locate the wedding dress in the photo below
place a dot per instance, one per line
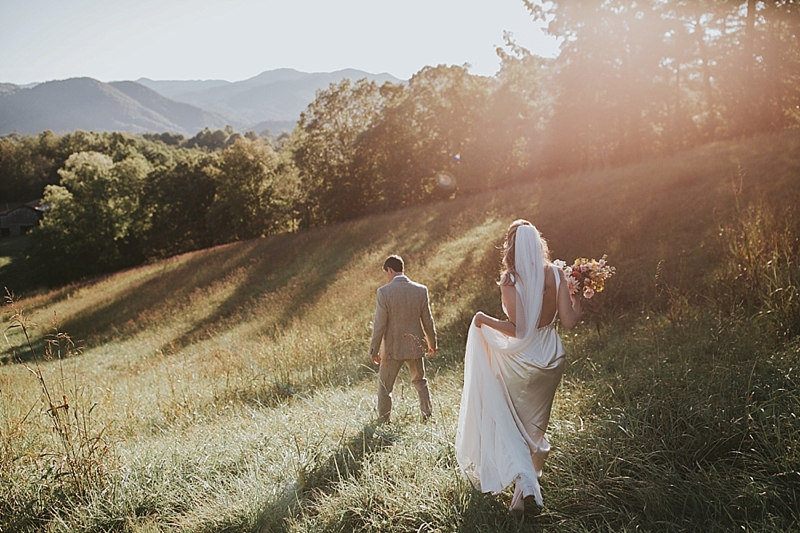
(509, 385)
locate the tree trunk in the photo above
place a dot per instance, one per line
(710, 126)
(750, 98)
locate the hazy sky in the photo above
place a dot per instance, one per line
(109, 40)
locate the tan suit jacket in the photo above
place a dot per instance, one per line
(403, 320)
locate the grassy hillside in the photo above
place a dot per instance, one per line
(229, 389)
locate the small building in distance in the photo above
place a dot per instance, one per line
(20, 220)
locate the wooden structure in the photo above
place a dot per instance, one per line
(20, 220)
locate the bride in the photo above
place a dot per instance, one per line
(511, 371)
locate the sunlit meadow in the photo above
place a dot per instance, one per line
(230, 390)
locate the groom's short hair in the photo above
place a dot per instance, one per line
(395, 262)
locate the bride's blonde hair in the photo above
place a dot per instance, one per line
(508, 271)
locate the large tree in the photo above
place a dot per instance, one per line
(637, 78)
(250, 195)
(177, 199)
(612, 87)
(27, 165)
(507, 135)
(422, 134)
(92, 217)
(324, 151)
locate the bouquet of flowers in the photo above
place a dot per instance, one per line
(586, 275)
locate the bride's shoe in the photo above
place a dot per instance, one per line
(517, 507)
(530, 502)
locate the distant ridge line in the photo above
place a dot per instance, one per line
(270, 100)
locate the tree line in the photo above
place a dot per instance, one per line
(634, 79)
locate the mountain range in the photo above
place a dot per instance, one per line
(272, 100)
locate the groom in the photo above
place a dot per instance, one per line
(402, 317)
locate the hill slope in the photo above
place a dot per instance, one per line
(192, 119)
(274, 95)
(232, 390)
(271, 100)
(653, 219)
(87, 104)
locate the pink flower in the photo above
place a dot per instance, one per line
(588, 292)
(572, 284)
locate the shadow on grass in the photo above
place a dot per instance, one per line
(306, 264)
(452, 336)
(485, 512)
(302, 266)
(268, 264)
(322, 478)
(124, 312)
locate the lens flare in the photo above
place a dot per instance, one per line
(445, 180)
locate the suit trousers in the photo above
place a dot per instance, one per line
(387, 374)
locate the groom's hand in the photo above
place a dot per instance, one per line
(376, 359)
(431, 352)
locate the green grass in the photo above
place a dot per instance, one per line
(230, 390)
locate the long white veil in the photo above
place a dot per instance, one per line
(529, 283)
